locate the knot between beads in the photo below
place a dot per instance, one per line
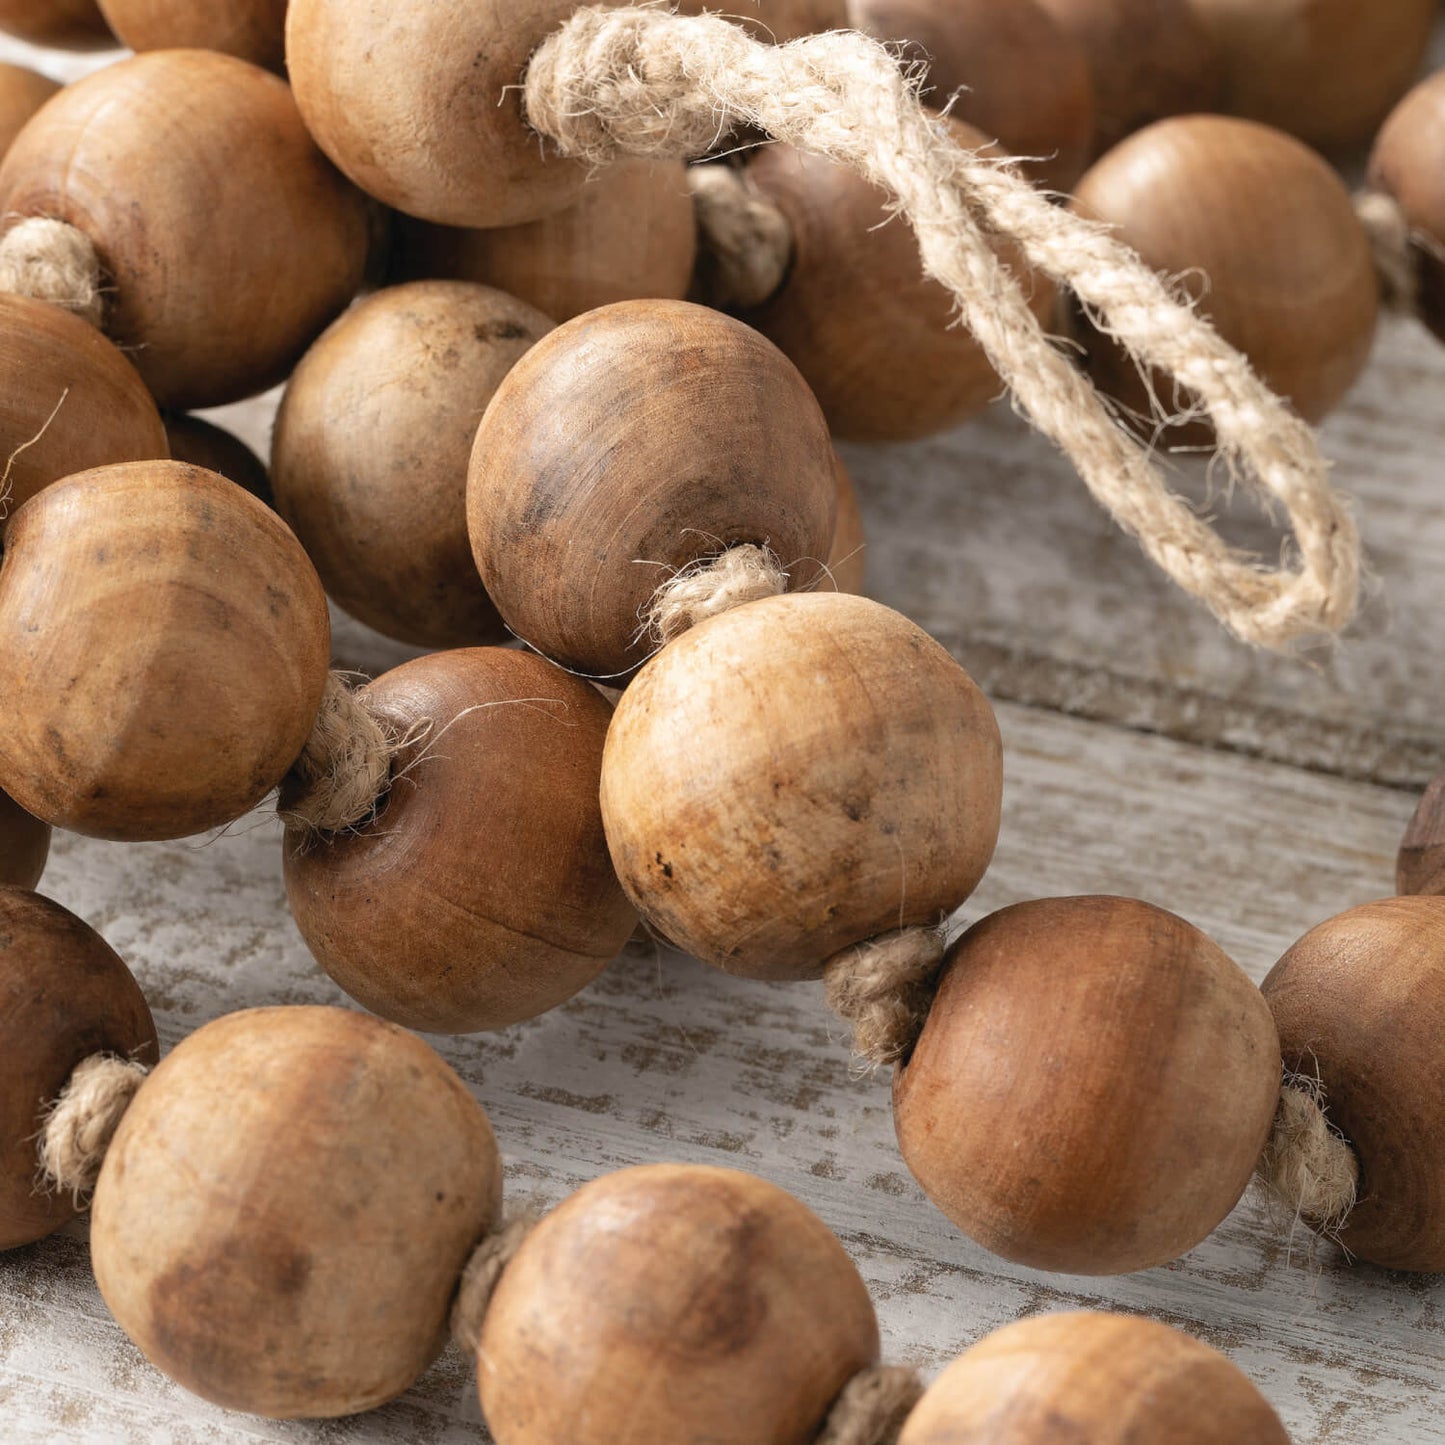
(742, 573)
(884, 987)
(481, 1277)
(1307, 1164)
(1388, 230)
(52, 261)
(872, 1407)
(81, 1123)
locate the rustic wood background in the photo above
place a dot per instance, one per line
(1147, 754)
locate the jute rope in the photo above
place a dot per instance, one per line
(80, 1124)
(641, 81)
(884, 988)
(480, 1280)
(53, 261)
(1307, 1163)
(745, 244)
(1388, 230)
(740, 574)
(873, 1407)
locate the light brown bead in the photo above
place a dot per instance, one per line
(1263, 233)
(203, 444)
(22, 93)
(629, 235)
(1092, 1088)
(482, 894)
(369, 458)
(1094, 1379)
(253, 30)
(227, 238)
(869, 332)
(1324, 70)
(71, 401)
(68, 24)
(165, 641)
(287, 1207)
(24, 845)
(629, 443)
(847, 558)
(674, 1303)
(64, 995)
(1004, 67)
(796, 776)
(777, 20)
(1360, 1005)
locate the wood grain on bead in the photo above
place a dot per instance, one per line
(68, 24)
(1263, 233)
(370, 453)
(870, 333)
(1324, 70)
(628, 444)
(201, 443)
(22, 93)
(1005, 67)
(24, 845)
(71, 401)
(847, 559)
(796, 776)
(777, 20)
(169, 641)
(1360, 1005)
(674, 1303)
(287, 1207)
(630, 234)
(482, 893)
(1093, 1086)
(64, 995)
(227, 239)
(1092, 1379)
(253, 30)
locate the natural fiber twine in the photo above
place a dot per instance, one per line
(641, 81)
(1307, 1163)
(884, 988)
(740, 574)
(81, 1123)
(345, 768)
(481, 1277)
(52, 261)
(873, 1407)
(745, 244)
(1388, 230)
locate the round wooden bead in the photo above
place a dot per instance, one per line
(630, 234)
(64, 995)
(847, 562)
(22, 93)
(71, 401)
(796, 776)
(24, 845)
(1360, 1005)
(369, 459)
(253, 30)
(286, 1209)
(626, 445)
(1091, 1377)
(482, 893)
(203, 444)
(674, 1302)
(228, 239)
(1263, 232)
(69, 24)
(778, 20)
(1092, 1088)
(165, 642)
(856, 315)
(1006, 68)
(1324, 70)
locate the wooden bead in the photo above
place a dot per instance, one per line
(1004, 67)
(1360, 1005)
(1420, 864)
(228, 239)
(165, 642)
(1324, 70)
(69, 24)
(1104, 1379)
(24, 845)
(870, 334)
(674, 1303)
(369, 459)
(482, 894)
(203, 444)
(628, 444)
(64, 995)
(796, 776)
(847, 559)
(71, 401)
(287, 1207)
(1093, 1086)
(1263, 232)
(629, 235)
(253, 30)
(22, 93)
(778, 20)
(1147, 59)
(419, 104)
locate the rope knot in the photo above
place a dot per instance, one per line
(480, 1278)
(745, 241)
(1388, 230)
(82, 1121)
(884, 987)
(743, 573)
(52, 261)
(1307, 1163)
(873, 1407)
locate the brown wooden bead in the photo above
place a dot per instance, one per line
(1324, 70)
(166, 643)
(796, 776)
(1094, 1379)
(847, 558)
(71, 401)
(24, 845)
(629, 235)
(482, 894)
(1004, 67)
(777, 20)
(1093, 1086)
(287, 1207)
(674, 1303)
(1147, 58)
(64, 995)
(253, 30)
(22, 93)
(869, 332)
(1360, 1005)
(629, 443)
(1420, 865)
(227, 237)
(370, 454)
(203, 444)
(1263, 233)
(69, 24)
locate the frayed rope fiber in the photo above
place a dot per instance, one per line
(52, 261)
(884, 988)
(480, 1278)
(641, 81)
(744, 573)
(1307, 1163)
(1388, 230)
(345, 768)
(81, 1123)
(873, 1407)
